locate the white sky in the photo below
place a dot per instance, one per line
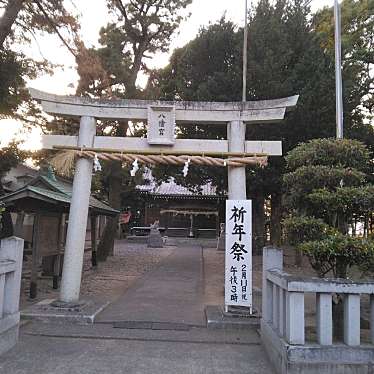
(94, 16)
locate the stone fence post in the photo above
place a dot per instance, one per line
(272, 259)
(11, 255)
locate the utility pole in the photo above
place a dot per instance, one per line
(338, 72)
(338, 69)
(245, 51)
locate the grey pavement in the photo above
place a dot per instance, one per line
(171, 293)
(66, 355)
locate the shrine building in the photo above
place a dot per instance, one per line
(181, 211)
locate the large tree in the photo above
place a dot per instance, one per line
(140, 29)
(285, 57)
(282, 57)
(207, 69)
(20, 23)
(23, 21)
(357, 51)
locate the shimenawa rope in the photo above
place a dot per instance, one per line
(64, 161)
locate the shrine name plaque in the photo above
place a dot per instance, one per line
(161, 125)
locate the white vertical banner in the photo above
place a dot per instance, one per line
(238, 261)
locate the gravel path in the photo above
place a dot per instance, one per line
(110, 279)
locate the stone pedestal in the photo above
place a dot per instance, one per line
(55, 311)
(221, 243)
(155, 239)
(217, 318)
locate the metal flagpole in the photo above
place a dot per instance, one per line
(338, 71)
(245, 50)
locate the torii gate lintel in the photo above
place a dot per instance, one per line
(186, 111)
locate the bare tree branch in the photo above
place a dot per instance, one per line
(9, 17)
(55, 27)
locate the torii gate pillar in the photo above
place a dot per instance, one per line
(236, 175)
(76, 235)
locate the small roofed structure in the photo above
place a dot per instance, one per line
(41, 209)
(181, 211)
(54, 192)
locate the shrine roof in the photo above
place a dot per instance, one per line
(30, 191)
(172, 189)
(66, 188)
(54, 191)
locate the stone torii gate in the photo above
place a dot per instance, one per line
(161, 117)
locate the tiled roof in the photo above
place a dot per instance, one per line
(51, 194)
(58, 184)
(60, 191)
(66, 188)
(56, 196)
(171, 188)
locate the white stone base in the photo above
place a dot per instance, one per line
(9, 328)
(44, 311)
(313, 358)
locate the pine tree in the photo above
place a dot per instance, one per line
(141, 29)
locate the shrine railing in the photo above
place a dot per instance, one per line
(11, 254)
(283, 304)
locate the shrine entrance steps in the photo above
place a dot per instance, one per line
(100, 348)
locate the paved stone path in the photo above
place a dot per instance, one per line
(173, 292)
(56, 349)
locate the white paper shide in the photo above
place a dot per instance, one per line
(238, 264)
